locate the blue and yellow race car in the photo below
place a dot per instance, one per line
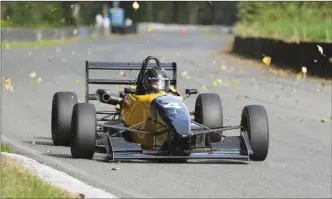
(152, 121)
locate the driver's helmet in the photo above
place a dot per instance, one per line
(156, 80)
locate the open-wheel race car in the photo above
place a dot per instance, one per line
(152, 121)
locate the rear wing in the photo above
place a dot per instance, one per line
(120, 66)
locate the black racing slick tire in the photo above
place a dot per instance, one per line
(209, 112)
(84, 128)
(255, 121)
(62, 107)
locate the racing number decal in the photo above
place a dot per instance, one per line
(172, 105)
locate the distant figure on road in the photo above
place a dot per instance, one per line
(107, 24)
(99, 25)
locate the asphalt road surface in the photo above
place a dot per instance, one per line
(299, 161)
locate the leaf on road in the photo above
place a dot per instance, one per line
(122, 73)
(77, 81)
(278, 117)
(75, 32)
(32, 81)
(235, 81)
(33, 142)
(149, 29)
(108, 76)
(39, 79)
(252, 80)
(49, 58)
(331, 118)
(223, 67)
(184, 73)
(204, 88)
(118, 86)
(320, 49)
(33, 74)
(8, 83)
(323, 120)
(267, 60)
(188, 77)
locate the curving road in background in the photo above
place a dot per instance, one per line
(299, 161)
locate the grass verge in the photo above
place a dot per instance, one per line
(41, 43)
(56, 42)
(5, 148)
(290, 31)
(17, 182)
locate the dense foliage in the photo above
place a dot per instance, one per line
(291, 20)
(43, 14)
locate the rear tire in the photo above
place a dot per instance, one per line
(209, 112)
(84, 128)
(255, 121)
(62, 107)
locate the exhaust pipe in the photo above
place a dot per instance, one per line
(108, 97)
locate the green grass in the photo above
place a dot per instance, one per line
(289, 21)
(45, 26)
(41, 43)
(17, 182)
(319, 31)
(6, 148)
(56, 42)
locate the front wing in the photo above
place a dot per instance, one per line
(231, 148)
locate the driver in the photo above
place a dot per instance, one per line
(156, 80)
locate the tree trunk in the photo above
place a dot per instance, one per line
(193, 12)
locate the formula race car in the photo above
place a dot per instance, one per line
(152, 121)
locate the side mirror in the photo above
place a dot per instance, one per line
(130, 90)
(191, 91)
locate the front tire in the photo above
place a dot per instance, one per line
(84, 128)
(255, 121)
(209, 112)
(62, 107)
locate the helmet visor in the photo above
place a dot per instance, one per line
(161, 84)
